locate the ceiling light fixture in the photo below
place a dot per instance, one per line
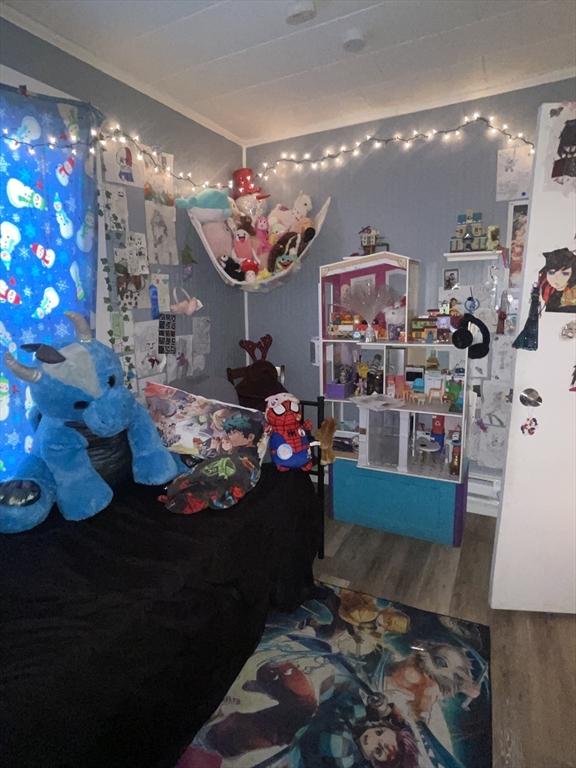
(301, 11)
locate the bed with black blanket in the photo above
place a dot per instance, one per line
(120, 635)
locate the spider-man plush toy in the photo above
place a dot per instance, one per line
(289, 443)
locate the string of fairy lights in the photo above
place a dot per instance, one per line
(330, 158)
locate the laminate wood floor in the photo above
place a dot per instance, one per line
(533, 670)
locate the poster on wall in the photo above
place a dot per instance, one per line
(561, 140)
(158, 181)
(115, 212)
(513, 173)
(201, 335)
(517, 228)
(148, 360)
(161, 233)
(121, 164)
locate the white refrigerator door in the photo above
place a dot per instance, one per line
(534, 564)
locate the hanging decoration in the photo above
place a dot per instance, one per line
(47, 240)
(374, 141)
(130, 150)
(249, 249)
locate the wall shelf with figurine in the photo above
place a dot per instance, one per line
(402, 399)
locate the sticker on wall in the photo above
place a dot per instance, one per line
(569, 330)
(529, 426)
(167, 334)
(573, 381)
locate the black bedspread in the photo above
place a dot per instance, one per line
(120, 635)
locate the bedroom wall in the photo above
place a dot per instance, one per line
(196, 148)
(412, 197)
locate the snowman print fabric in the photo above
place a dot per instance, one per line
(47, 239)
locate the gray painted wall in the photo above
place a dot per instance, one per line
(197, 149)
(412, 197)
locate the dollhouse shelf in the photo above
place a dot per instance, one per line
(432, 408)
(473, 256)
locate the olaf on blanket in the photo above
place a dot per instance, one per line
(289, 442)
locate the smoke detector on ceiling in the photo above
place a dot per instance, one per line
(301, 11)
(354, 40)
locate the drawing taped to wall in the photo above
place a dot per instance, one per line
(148, 360)
(161, 233)
(121, 165)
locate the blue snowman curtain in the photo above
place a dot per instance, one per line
(48, 240)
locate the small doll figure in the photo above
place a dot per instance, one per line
(289, 443)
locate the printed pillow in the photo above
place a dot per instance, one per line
(223, 443)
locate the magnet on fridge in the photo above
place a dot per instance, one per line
(529, 426)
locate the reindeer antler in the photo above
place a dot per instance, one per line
(250, 347)
(262, 346)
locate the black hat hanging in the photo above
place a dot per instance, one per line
(528, 336)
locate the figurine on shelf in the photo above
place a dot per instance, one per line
(368, 239)
(470, 233)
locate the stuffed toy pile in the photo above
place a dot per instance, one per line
(77, 389)
(250, 247)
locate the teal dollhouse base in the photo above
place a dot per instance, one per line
(409, 506)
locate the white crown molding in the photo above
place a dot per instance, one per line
(79, 52)
(376, 114)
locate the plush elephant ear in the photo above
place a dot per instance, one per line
(44, 352)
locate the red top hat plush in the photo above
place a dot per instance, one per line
(243, 184)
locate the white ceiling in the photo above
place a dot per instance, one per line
(239, 68)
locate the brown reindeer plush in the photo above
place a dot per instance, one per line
(258, 380)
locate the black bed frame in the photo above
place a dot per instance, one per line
(319, 469)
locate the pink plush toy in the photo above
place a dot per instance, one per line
(219, 238)
(263, 245)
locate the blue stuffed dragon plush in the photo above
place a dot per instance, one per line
(80, 383)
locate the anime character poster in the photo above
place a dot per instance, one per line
(353, 681)
(121, 164)
(517, 228)
(193, 425)
(557, 281)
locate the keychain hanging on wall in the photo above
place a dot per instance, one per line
(531, 399)
(528, 336)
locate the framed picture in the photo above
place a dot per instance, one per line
(516, 239)
(451, 278)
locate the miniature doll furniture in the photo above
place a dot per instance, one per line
(394, 401)
(78, 384)
(259, 379)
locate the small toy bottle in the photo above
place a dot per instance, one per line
(455, 462)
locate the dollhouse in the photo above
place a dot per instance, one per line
(399, 399)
